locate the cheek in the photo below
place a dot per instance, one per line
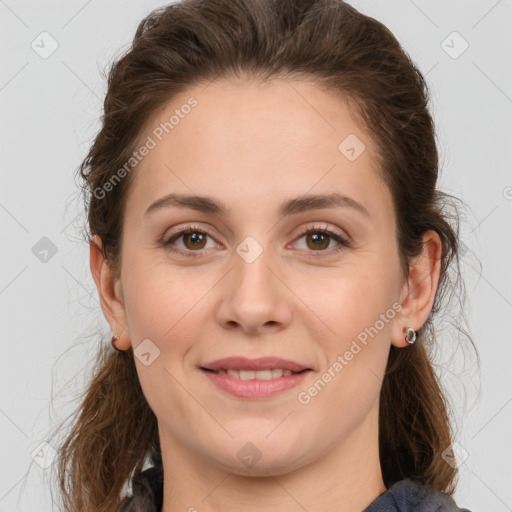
(356, 316)
(153, 299)
(356, 357)
(347, 299)
(162, 303)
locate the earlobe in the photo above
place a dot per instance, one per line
(420, 289)
(109, 290)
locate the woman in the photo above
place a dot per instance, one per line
(269, 249)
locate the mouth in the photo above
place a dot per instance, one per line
(260, 378)
(254, 384)
(265, 374)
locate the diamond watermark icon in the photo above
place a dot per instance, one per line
(146, 352)
(454, 45)
(455, 454)
(351, 147)
(249, 455)
(44, 250)
(44, 45)
(249, 249)
(44, 455)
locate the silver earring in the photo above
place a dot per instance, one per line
(410, 335)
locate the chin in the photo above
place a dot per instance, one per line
(261, 458)
(263, 468)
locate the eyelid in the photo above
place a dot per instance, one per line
(314, 227)
(187, 228)
(344, 241)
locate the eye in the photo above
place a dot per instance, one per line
(194, 239)
(319, 238)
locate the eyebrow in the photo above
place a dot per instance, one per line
(292, 206)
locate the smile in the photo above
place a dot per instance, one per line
(259, 384)
(268, 374)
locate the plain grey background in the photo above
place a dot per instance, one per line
(51, 94)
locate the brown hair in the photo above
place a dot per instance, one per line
(356, 57)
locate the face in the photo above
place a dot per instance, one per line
(314, 283)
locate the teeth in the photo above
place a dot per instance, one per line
(267, 374)
(246, 375)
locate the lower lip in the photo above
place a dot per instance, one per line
(255, 388)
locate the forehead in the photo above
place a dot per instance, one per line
(252, 144)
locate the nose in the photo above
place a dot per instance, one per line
(253, 297)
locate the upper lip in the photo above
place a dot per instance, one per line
(261, 363)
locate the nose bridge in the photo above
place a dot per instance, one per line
(252, 276)
(254, 296)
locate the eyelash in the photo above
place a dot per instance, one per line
(344, 243)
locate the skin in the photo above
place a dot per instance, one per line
(253, 147)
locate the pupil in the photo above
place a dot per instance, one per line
(196, 237)
(318, 239)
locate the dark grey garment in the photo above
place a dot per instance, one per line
(403, 496)
(147, 492)
(413, 496)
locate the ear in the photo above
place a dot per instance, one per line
(110, 293)
(418, 292)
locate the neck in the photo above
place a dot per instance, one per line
(346, 478)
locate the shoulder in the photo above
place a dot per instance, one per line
(409, 495)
